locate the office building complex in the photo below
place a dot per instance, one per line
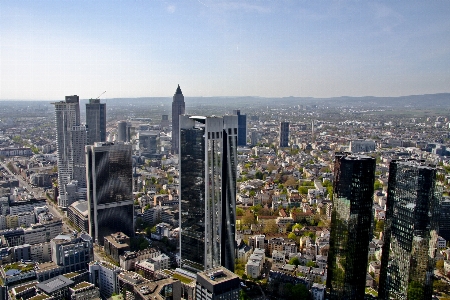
(95, 121)
(284, 134)
(178, 109)
(350, 226)
(410, 233)
(110, 199)
(242, 128)
(73, 253)
(71, 138)
(208, 191)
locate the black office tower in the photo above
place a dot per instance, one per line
(110, 200)
(444, 219)
(284, 134)
(351, 221)
(207, 192)
(242, 128)
(95, 121)
(410, 233)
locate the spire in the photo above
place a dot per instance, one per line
(179, 90)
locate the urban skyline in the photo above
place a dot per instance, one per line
(315, 226)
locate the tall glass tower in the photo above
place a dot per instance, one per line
(110, 198)
(96, 121)
(70, 141)
(284, 134)
(207, 191)
(410, 233)
(242, 127)
(351, 221)
(178, 109)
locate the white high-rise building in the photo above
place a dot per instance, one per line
(71, 138)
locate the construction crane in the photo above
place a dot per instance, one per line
(100, 95)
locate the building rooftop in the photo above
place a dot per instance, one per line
(82, 285)
(217, 275)
(54, 284)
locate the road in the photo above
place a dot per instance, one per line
(39, 193)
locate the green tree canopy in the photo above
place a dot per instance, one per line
(294, 261)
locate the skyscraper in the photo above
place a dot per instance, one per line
(351, 221)
(242, 128)
(444, 220)
(284, 134)
(207, 191)
(71, 139)
(178, 109)
(110, 199)
(123, 131)
(96, 121)
(410, 232)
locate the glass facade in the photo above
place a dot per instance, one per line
(242, 128)
(208, 191)
(109, 173)
(95, 121)
(410, 233)
(284, 134)
(350, 226)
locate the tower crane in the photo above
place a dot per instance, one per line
(100, 95)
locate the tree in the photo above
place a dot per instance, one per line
(311, 264)
(243, 295)
(379, 226)
(239, 211)
(248, 218)
(294, 261)
(259, 175)
(377, 185)
(415, 291)
(271, 227)
(440, 266)
(296, 226)
(440, 286)
(292, 236)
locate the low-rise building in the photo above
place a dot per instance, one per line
(57, 287)
(84, 290)
(116, 244)
(217, 283)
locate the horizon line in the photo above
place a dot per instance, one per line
(264, 97)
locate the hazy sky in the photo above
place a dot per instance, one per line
(49, 49)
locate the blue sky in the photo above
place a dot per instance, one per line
(49, 49)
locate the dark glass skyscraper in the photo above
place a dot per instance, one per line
(284, 134)
(444, 220)
(242, 128)
(207, 191)
(95, 121)
(178, 109)
(351, 220)
(410, 232)
(110, 199)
